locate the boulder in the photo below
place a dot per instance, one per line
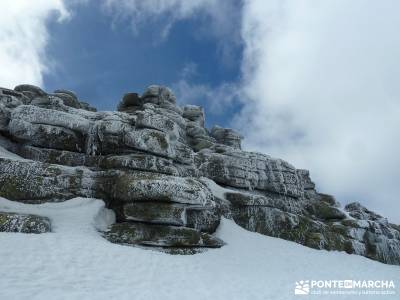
(147, 186)
(356, 210)
(66, 92)
(325, 211)
(23, 223)
(129, 101)
(158, 95)
(195, 114)
(68, 98)
(30, 91)
(12, 93)
(198, 137)
(227, 136)
(35, 182)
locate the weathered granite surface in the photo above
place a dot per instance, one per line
(168, 178)
(23, 223)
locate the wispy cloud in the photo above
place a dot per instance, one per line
(139, 12)
(219, 19)
(215, 98)
(23, 39)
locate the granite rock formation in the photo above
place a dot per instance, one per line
(168, 178)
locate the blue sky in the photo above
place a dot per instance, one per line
(101, 58)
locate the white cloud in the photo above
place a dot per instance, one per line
(321, 89)
(23, 39)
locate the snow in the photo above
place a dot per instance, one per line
(217, 190)
(75, 262)
(4, 153)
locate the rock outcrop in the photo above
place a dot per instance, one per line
(168, 178)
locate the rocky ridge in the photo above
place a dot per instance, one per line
(169, 179)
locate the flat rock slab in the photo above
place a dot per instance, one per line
(155, 212)
(201, 218)
(160, 236)
(15, 222)
(147, 186)
(35, 182)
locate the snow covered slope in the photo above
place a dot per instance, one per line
(75, 262)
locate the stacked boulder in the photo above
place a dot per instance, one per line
(227, 136)
(167, 177)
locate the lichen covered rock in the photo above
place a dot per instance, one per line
(160, 236)
(167, 177)
(23, 223)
